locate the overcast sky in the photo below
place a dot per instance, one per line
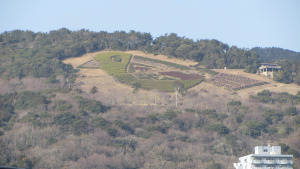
(244, 23)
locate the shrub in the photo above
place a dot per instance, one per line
(153, 117)
(112, 131)
(124, 126)
(32, 118)
(170, 114)
(52, 79)
(255, 128)
(234, 103)
(65, 118)
(272, 116)
(160, 128)
(212, 113)
(6, 109)
(214, 166)
(94, 90)
(297, 121)
(220, 128)
(265, 96)
(264, 93)
(288, 150)
(100, 122)
(51, 140)
(26, 100)
(91, 106)
(291, 111)
(140, 119)
(125, 142)
(230, 140)
(62, 105)
(79, 126)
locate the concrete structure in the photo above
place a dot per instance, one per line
(265, 157)
(268, 69)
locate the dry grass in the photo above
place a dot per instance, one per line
(87, 78)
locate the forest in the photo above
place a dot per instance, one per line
(55, 125)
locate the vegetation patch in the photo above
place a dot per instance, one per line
(116, 58)
(116, 68)
(115, 64)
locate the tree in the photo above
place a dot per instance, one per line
(52, 79)
(297, 79)
(79, 126)
(178, 88)
(94, 90)
(291, 111)
(112, 131)
(136, 87)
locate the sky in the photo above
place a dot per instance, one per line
(243, 23)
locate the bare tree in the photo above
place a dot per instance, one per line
(178, 88)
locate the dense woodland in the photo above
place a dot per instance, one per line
(58, 126)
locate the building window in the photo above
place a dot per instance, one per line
(265, 150)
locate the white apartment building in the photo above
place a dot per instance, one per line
(265, 157)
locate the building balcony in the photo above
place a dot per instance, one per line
(257, 161)
(284, 162)
(270, 162)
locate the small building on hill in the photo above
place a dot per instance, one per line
(268, 69)
(265, 157)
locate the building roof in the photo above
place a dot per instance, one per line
(266, 155)
(269, 64)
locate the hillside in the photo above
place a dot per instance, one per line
(273, 54)
(88, 78)
(84, 100)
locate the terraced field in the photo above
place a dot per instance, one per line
(114, 68)
(115, 64)
(110, 66)
(158, 63)
(234, 82)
